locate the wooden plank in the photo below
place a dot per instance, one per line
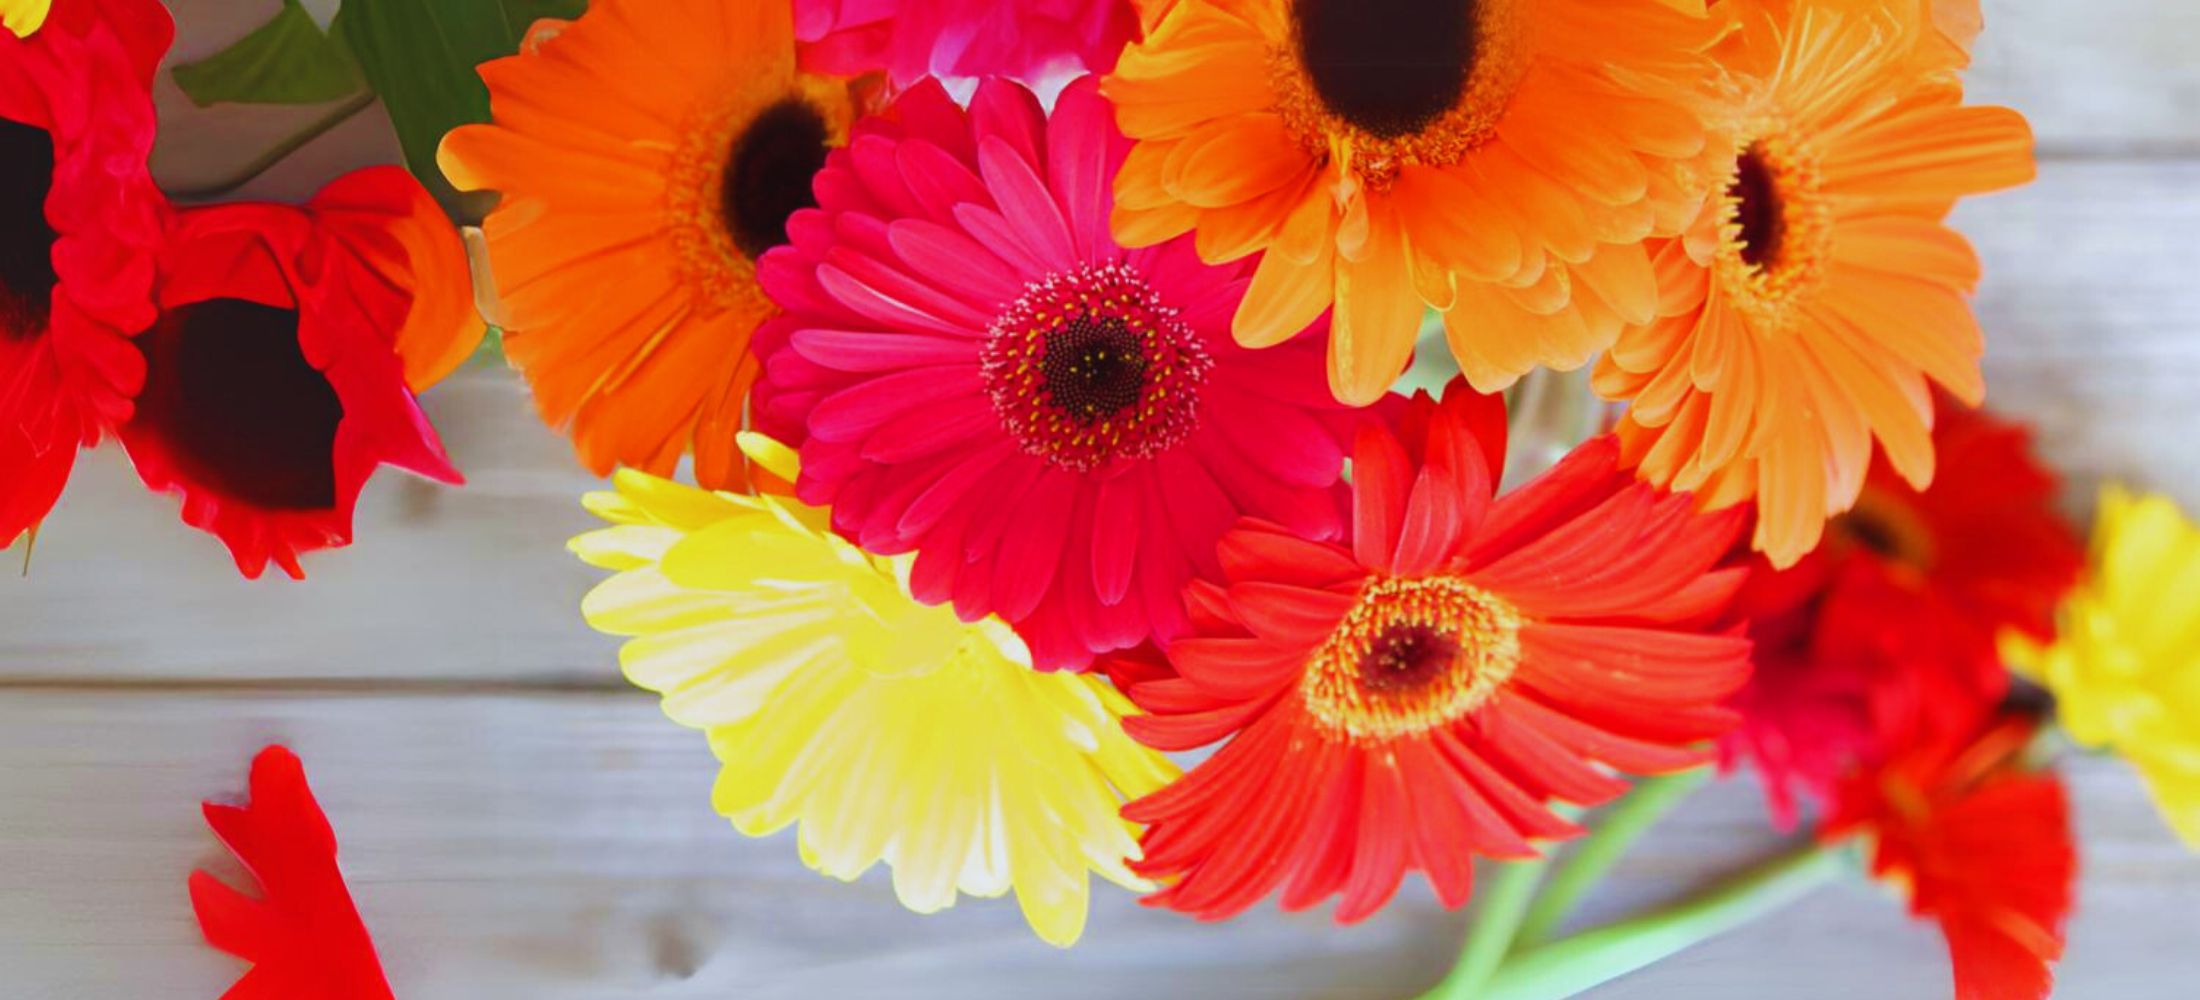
(561, 847)
(2093, 320)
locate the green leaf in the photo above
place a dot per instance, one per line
(419, 56)
(288, 60)
(522, 14)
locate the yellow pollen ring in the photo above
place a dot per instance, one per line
(1764, 291)
(1500, 60)
(695, 175)
(1484, 632)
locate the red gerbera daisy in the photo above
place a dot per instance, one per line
(1979, 845)
(1060, 428)
(1027, 40)
(281, 369)
(303, 935)
(80, 224)
(1420, 696)
(1888, 631)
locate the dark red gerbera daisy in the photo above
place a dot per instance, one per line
(277, 370)
(1887, 633)
(1978, 844)
(302, 935)
(80, 225)
(1420, 695)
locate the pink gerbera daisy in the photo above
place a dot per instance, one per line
(1059, 427)
(1021, 39)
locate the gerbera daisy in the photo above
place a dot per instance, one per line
(302, 933)
(1025, 41)
(891, 730)
(80, 224)
(1421, 695)
(276, 372)
(646, 154)
(1060, 428)
(1979, 845)
(2124, 664)
(1890, 627)
(1804, 312)
(1498, 161)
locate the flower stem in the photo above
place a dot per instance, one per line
(1615, 831)
(1490, 936)
(1591, 958)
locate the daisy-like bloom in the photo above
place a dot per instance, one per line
(1804, 312)
(300, 931)
(646, 154)
(2124, 663)
(1060, 428)
(1891, 625)
(1499, 161)
(971, 38)
(1979, 845)
(80, 227)
(890, 730)
(23, 16)
(1421, 695)
(281, 370)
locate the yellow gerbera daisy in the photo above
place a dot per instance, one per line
(646, 154)
(2125, 664)
(23, 16)
(889, 729)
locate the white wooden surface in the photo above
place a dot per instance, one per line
(518, 826)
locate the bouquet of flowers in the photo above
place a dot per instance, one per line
(1249, 450)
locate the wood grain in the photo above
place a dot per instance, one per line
(559, 847)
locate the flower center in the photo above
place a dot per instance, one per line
(1410, 656)
(1775, 230)
(1389, 67)
(1384, 83)
(768, 173)
(1089, 366)
(229, 391)
(1888, 527)
(27, 277)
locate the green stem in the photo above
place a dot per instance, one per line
(1614, 832)
(1490, 936)
(1565, 968)
(281, 151)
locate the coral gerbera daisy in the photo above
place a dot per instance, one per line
(281, 370)
(80, 226)
(302, 933)
(1496, 160)
(1030, 42)
(1060, 428)
(1890, 626)
(1979, 845)
(1420, 695)
(2124, 665)
(889, 729)
(1807, 307)
(646, 155)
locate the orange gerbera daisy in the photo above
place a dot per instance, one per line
(647, 154)
(1806, 308)
(1497, 160)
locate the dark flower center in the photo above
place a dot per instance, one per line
(27, 277)
(229, 390)
(1406, 657)
(1093, 367)
(768, 174)
(1390, 67)
(1089, 366)
(1888, 527)
(1757, 209)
